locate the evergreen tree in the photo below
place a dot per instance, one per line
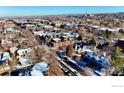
(117, 60)
(117, 52)
(93, 41)
(121, 31)
(107, 33)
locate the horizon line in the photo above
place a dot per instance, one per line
(60, 14)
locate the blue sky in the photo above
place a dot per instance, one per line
(51, 10)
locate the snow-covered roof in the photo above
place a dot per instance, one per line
(24, 60)
(41, 67)
(36, 73)
(9, 29)
(13, 49)
(56, 39)
(20, 51)
(86, 48)
(5, 56)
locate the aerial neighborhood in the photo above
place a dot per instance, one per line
(89, 44)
